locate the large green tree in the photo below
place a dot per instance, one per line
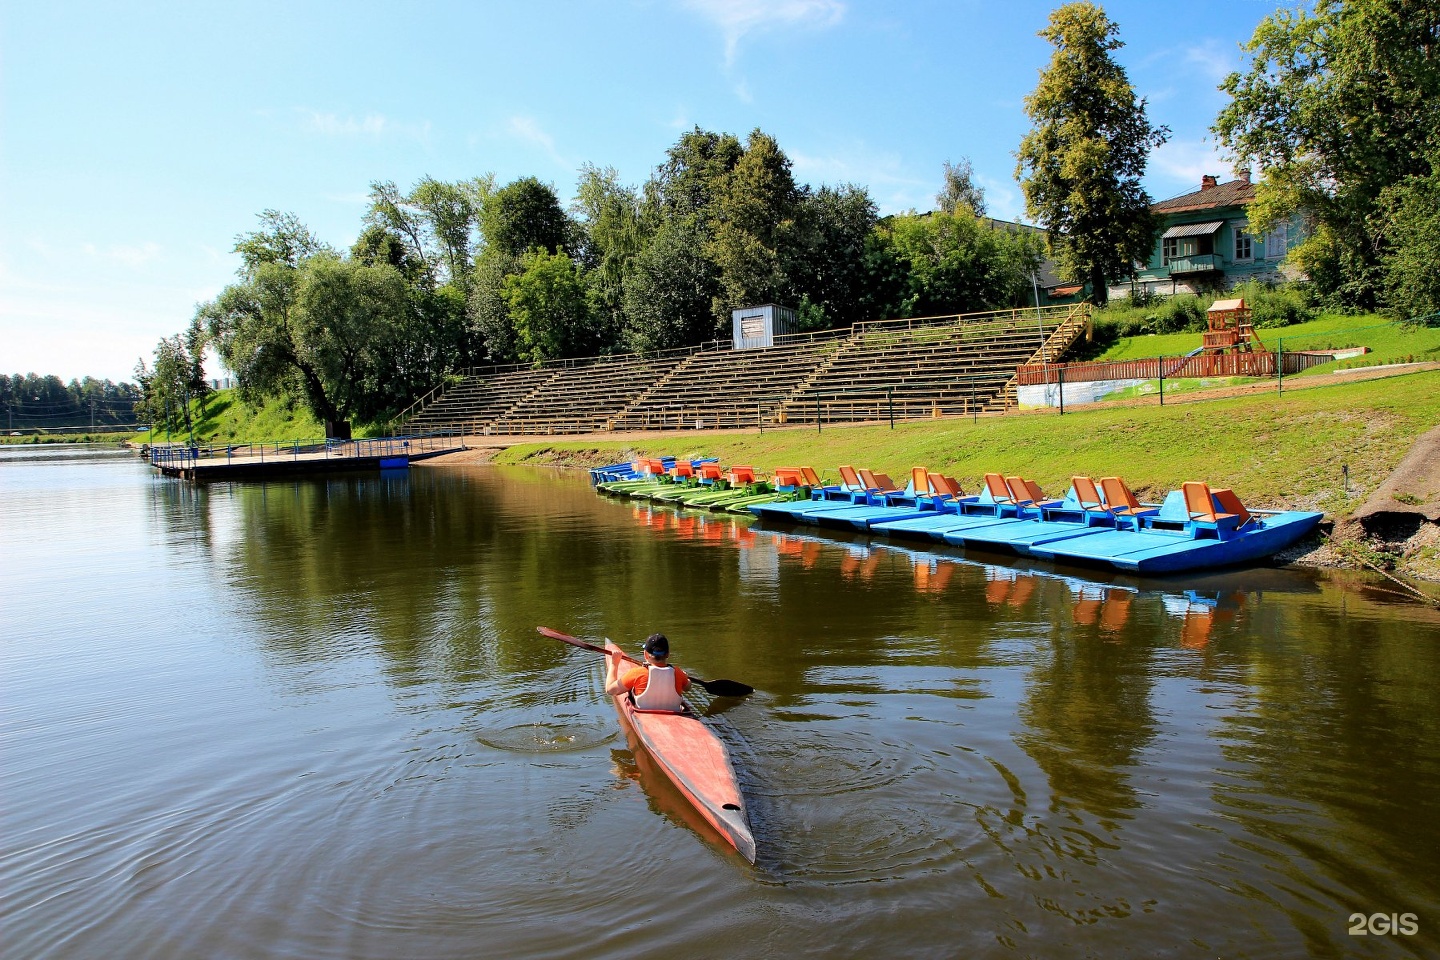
(828, 263)
(525, 214)
(754, 232)
(669, 289)
(1410, 212)
(1081, 165)
(959, 263)
(304, 321)
(1336, 106)
(549, 307)
(612, 230)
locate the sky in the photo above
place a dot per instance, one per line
(138, 140)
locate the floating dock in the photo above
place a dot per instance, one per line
(274, 460)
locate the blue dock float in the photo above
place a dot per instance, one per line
(1165, 540)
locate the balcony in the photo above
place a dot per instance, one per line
(1197, 263)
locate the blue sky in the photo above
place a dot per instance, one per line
(137, 140)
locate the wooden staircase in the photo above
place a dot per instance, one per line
(1076, 324)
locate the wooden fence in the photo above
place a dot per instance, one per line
(1258, 364)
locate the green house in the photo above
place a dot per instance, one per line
(1205, 243)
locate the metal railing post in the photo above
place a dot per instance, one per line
(1280, 366)
(1162, 381)
(1060, 384)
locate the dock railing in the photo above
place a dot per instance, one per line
(184, 455)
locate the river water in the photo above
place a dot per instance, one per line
(314, 719)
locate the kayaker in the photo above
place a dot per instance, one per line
(654, 686)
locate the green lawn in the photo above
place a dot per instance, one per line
(1274, 451)
(1389, 343)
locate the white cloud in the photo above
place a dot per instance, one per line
(892, 186)
(1212, 59)
(736, 18)
(1176, 167)
(371, 125)
(528, 130)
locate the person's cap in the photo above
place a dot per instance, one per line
(657, 646)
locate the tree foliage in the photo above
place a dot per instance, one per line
(1081, 165)
(960, 191)
(960, 263)
(525, 215)
(754, 229)
(669, 290)
(549, 308)
(448, 275)
(1337, 106)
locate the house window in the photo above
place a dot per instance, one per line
(1169, 249)
(1244, 248)
(1276, 242)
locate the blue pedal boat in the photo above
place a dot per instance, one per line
(1172, 541)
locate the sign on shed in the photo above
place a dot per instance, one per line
(759, 326)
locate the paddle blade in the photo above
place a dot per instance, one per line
(725, 688)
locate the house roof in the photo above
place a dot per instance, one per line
(1232, 194)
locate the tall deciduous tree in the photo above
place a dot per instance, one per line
(828, 268)
(754, 231)
(304, 321)
(1081, 164)
(549, 308)
(613, 231)
(1337, 106)
(669, 289)
(961, 192)
(525, 214)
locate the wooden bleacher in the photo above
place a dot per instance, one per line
(584, 399)
(727, 388)
(928, 367)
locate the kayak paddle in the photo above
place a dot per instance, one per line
(718, 688)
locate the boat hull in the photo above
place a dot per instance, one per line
(696, 761)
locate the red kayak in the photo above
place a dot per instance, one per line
(696, 761)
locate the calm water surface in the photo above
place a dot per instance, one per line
(314, 720)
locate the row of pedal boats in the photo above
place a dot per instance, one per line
(1096, 523)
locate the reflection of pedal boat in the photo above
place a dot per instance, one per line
(696, 761)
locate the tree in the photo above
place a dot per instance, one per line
(669, 290)
(1336, 107)
(437, 222)
(1410, 214)
(303, 320)
(549, 308)
(690, 180)
(829, 264)
(754, 229)
(960, 191)
(1080, 166)
(525, 215)
(488, 310)
(613, 231)
(169, 386)
(958, 263)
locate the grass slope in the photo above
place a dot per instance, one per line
(1274, 451)
(1388, 342)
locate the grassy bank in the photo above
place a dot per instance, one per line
(1274, 451)
(1388, 342)
(228, 419)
